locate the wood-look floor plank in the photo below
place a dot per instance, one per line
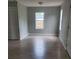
(36, 48)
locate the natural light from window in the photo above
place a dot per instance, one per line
(39, 20)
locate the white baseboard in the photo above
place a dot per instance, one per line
(21, 38)
(39, 34)
(62, 43)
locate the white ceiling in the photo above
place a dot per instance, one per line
(34, 3)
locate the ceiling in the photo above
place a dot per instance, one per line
(35, 3)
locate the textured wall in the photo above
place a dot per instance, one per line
(69, 36)
(51, 22)
(65, 30)
(13, 26)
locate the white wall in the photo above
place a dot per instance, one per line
(64, 32)
(22, 17)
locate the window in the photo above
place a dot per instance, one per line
(39, 20)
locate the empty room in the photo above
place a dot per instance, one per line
(39, 29)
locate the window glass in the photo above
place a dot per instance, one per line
(39, 20)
